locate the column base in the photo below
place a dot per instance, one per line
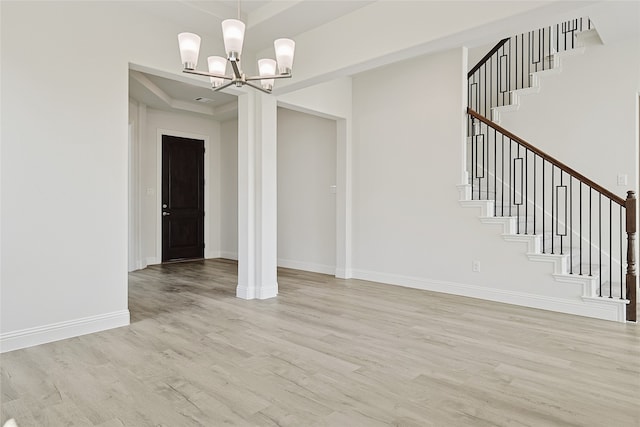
(245, 292)
(264, 292)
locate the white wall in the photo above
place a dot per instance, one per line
(586, 116)
(409, 228)
(306, 204)
(64, 166)
(306, 207)
(333, 100)
(229, 189)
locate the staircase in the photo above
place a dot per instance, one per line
(584, 231)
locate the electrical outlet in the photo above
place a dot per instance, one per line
(475, 266)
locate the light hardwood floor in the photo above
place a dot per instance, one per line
(326, 352)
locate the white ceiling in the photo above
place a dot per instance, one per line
(173, 95)
(266, 20)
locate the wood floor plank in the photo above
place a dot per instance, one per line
(325, 352)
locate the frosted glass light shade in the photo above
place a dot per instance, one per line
(285, 49)
(267, 67)
(233, 35)
(217, 65)
(189, 44)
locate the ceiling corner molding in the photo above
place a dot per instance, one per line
(214, 8)
(269, 10)
(151, 87)
(192, 107)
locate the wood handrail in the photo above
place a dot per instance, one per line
(487, 56)
(619, 200)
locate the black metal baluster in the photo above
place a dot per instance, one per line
(541, 43)
(516, 60)
(530, 56)
(543, 211)
(515, 187)
(550, 42)
(590, 230)
(480, 176)
(580, 225)
(485, 170)
(570, 231)
(610, 247)
(474, 161)
(502, 193)
(558, 216)
(485, 93)
(522, 60)
(495, 172)
(498, 79)
(509, 73)
(534, 207)
(526, 191)
(600, 238)
(478, 90)
(510, 173)
(553, 220)
(622, 296)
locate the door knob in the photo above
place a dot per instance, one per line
(164, 206)
(165, 214)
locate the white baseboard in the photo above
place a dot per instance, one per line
(596, 309)
(307, 266)
(344, 273)
(245, 292)
(139, 265)
(229, 255)
(267, 292)
(62, 330)
(152, 261)
(212, 254)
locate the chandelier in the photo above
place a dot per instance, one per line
(233, 35)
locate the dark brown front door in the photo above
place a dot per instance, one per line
(182, 198)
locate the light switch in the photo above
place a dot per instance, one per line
(622, 179)
(332, 189)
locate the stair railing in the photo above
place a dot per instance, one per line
(508, 66)
(574, 215)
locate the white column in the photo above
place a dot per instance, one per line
(257, 196)
(343, 200)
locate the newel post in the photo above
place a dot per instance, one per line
(630, 206)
